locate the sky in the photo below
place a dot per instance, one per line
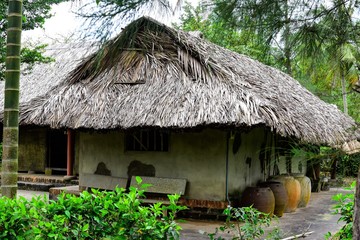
(62, 24)
(65, 22)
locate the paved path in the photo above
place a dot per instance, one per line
(29, 194)
(315, 217)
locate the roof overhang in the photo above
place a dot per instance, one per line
(351, 147)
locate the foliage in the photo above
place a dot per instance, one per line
(335, 47)
(107, 17)
(34, 15)
(32, 55)
(344, 207)
(328, 158)
(96, 215)
(217, 30)
(277, 22)
(348, 165)
(245, 223)
(15, 219)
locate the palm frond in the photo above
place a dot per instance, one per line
(346, 53)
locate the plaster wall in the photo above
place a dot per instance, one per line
(298, 165)
(32, 149)
(245, 167)
(198, 157)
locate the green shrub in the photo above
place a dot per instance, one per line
(94, 215)
(344, 207)
(348, 165)
(246, 223)
(15, 219)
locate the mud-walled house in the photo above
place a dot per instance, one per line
(159, 102)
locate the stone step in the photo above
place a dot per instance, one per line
(35, 186)
(51, 179)
(74, 182)
(55, 191)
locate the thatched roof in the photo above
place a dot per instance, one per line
(351, 147)
(37, 80)
(154, 76)
(356, 86)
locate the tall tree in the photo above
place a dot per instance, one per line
(334, 45)
(107, 17)
(11, 103)
(215, 29)
(276, 21)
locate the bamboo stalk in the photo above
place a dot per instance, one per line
(11, 101)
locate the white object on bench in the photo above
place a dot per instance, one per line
(87, 180)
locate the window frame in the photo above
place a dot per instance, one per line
(147, 140)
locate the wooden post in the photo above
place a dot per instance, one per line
(70, 155)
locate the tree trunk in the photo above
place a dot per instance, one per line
(11, 102)
(333, 169)
(287, 44)
(356, 223)
(343, 91)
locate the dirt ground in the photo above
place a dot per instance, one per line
(317, 217)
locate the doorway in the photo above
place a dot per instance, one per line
(57, 151)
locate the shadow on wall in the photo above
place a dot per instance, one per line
(137, 168)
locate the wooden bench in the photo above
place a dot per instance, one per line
(160, 188)
(105, 182)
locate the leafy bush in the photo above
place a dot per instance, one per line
(15, 219)
(246, 223)
(348, 165)
(96, 215)
(344, 207)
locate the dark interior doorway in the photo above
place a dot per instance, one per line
(57, 155)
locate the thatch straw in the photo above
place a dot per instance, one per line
(351, 147)
(154, 76)
(356, 86)
(40, 78)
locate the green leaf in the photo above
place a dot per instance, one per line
(85, 227)
(138, 180)
(67, 213)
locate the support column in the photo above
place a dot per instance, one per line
(70, 151)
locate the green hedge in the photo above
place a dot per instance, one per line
(96, 215)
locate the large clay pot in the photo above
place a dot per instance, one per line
(305, 184)
(293, 191)
(261, 198)
(280, 195)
